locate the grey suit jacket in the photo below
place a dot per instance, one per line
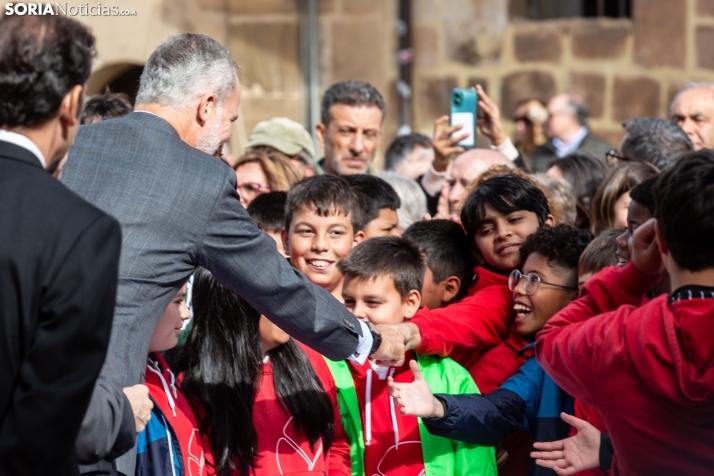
(179, 209)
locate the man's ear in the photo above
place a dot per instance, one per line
(207, 107)
(284, 235)
(412, 303)
(359, 238)
(71, 107)
(451, 288)
(550, 221)
(320, 133)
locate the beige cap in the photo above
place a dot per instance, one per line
(289, 137)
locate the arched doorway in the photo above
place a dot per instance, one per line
(119, 78)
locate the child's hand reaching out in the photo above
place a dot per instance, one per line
(415, 398)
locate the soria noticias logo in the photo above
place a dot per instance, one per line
(82, 10)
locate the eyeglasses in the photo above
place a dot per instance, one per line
(251, 189)
(532, 281)
(612, 157)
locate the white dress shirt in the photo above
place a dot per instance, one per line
(24, 142)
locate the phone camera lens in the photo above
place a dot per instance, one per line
(458, 98)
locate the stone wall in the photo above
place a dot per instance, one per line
(623, 67)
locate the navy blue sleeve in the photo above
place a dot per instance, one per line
(478, 419)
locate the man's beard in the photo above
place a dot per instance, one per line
(209, 141)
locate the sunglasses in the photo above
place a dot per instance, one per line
(532, 281)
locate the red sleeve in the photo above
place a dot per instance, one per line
(338, 458)
(606, 291)
(482, 320)
(588, 334)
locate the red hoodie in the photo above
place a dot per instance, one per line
(282, 450)
(384, 426)
(479, 332)
(648, 371)
(195, 448)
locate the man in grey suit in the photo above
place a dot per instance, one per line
(178, 208)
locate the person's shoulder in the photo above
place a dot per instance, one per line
(595, 142)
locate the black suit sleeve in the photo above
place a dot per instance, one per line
(108, 428)
(59, 368)
(479, 419)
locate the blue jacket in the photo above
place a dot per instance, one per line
(157, 450)
(530, 400)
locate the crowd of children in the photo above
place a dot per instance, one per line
(510, 319)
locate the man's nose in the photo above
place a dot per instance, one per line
(357, 144)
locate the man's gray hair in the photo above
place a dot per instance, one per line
(185, 67)
(687, 87)
(576, 105)
(660, 142)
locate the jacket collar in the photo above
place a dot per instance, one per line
(20, 154)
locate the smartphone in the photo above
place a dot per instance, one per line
(464, 103)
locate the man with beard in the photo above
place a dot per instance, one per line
(179, 209)
(352, 114)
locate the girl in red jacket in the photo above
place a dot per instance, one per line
(171, 443)
(268, 404)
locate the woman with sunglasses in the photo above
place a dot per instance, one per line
(259, 172)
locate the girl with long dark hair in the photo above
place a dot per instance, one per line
(268, 404)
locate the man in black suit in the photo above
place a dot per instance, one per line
(59, 255)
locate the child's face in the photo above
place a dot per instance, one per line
(271, 335)
(583, 279)
(435, 295)
(316, 244)
(532, 312)
(386, 224)
(500, 237)
(637, 214)
(168, 328)
(378, 301)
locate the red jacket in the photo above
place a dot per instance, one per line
(479, 332)
(384, 426)
(281, 450)
(195, 448)
(648, 371)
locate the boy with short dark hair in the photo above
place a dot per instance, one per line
(268, 212)
(602, 346)
(449, 262)
(528, 400)
(377, 203)
(320, 229)
(383, 277)
(600, 253)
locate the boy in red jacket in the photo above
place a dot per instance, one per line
(648, 370)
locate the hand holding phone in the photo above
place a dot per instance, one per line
(463, 112)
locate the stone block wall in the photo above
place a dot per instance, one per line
(623, 67)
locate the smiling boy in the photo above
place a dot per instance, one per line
(529, 400)
(320, 229)
(383, 279)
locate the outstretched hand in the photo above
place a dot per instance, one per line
(415, 398)
(571, 455)
(645, 251)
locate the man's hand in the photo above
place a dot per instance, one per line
(393, 347)
(141, 405)
(444, 145)
(571, 455)
(489, 119)
(645, 253)
(415, 398)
